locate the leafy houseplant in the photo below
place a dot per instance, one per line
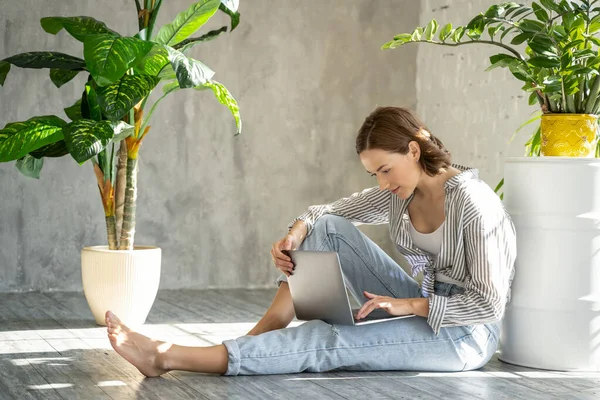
(110, 120)
(553, 49)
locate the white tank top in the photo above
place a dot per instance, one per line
(429, 242)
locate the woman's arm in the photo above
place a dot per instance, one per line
(367, 207)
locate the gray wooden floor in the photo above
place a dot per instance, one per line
(51, 348)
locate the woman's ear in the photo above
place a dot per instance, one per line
(414, 150)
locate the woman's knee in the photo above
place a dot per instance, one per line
(332, 223)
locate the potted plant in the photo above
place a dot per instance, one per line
(108, 125)
(553, 49)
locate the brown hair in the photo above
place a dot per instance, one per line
(393, 128)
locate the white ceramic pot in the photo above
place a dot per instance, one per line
(123, 281)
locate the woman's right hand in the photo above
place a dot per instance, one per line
(281, 260)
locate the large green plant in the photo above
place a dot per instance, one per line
(552, 47)
(109, 122)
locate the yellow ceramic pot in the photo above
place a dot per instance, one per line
(569, 135)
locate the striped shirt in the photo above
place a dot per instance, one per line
(478, 247)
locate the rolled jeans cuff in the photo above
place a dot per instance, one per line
(233, 357)
(282, 278)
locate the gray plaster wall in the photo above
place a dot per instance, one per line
(305, 73)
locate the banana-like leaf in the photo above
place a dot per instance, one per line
(30, 166)
(57, 149)
(74, 112)
(225, 98)
(61, 76)
(233, 14)
(190, 73)
(108, 57)
(20, 138)
(187, 22)
(122, 130)
(78, 27)
(191, 42)
(154, 62)
(86, 138)
(4, 70)
(41, 59)
(117, 99)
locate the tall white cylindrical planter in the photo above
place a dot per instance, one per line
(553, 319)
(125, 282)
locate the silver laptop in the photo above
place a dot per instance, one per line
(318, 290)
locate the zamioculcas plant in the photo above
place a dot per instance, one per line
(111, 119)
(551, 47)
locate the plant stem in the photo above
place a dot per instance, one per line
(139, 9)
(128, 229)
(592, 96)
(508, 48)
(112, 233)
(120, 184)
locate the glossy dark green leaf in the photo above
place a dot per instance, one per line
(225, 98)
(520, 38)
(108, 57)
(495, 11)
(86, 138)
(30, 166)
(532, 99)
(551, 5)
(46, 59)
(502, 60)
(190, 73)
(539, 12)
(232, 5)
(233, 15)
(529, 25)
(78, 27)
(90, 107)
(74, 111)
(20, 138)
(187, 22)
(544, 62)
(56, 149)
(191, 42)
(117, 99)
(521, 11)
(4, 70)
(543, 46)
(61, 76)
(506, 32)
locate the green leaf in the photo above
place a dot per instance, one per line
(231, 5)
(225, 98)
(30, 166)
(61, 76)
(46, 59)
(78, 27)
(445, 32)
(521, 11)
(108, 57)
(539, 12)
(506, 31)
(56, 149)
(4, 70)
(190, 73)
(86, 138)
(417, 33)
(403, 37)
(74, 111)
(594, 24)
(458, 34)
(532, 99)
(117, 99)
(233, 15)
(494, 11)
(170, 86)
(431, 29)
(502, 60)
(90, 108)
(121, 130)
(544, 62)
(551, 5)
(20, 138)
(543, 46)
(191, 42)
(154, 62)
(187, 22)
(531, 26)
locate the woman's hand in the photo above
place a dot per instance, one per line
(393, 306)
(282, 261)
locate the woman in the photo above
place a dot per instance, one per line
(447, 223)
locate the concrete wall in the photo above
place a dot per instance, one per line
(474, 112)
(305, 74)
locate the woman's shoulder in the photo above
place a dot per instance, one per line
(475, 198)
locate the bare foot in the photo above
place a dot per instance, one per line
(139, 350)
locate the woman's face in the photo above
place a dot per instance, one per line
(398, 173)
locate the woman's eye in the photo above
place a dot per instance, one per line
(386, 171)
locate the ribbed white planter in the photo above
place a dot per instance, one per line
(553, 319)
(125, 282)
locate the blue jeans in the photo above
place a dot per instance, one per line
(406, 344)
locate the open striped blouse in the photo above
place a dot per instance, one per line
(478, 246)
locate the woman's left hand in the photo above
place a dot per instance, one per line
(393, 306)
